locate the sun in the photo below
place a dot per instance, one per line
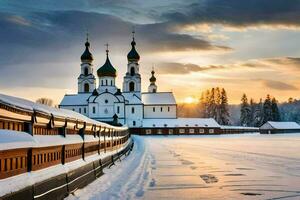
(190, 100)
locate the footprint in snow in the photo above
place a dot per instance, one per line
(152, 183)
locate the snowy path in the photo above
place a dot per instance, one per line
(204, 167)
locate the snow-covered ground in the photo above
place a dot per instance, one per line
(203, 167)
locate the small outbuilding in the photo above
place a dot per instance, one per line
(179, 126)
(271, 127)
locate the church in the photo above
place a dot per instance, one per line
(106, 102)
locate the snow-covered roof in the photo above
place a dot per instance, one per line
(280, 125)
(75, 99)
(180, 122)
(132, 98)
(239, 127)
(159, 98)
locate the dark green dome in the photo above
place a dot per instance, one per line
(107, 69)
(87, 56)
(152, 79)
(133, 54)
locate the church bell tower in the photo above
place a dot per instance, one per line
(132, 79)
(86, 79)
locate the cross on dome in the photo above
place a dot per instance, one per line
(107, 50)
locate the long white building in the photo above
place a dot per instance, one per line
(106, 102)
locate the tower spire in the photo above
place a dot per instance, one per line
(133, 32)
(133, 55)
(107, 50)
(87, 56)
(152, 87)
(87, 36)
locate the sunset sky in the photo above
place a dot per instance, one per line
(250, 47)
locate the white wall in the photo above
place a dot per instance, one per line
(149, 113)
(84, 110)
(136, 117)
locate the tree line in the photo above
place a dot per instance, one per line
(256, 114)
(214, 104)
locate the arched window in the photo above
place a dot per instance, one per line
(86, 71)
(132, 71)
(86, 87)
(111, 82)
(105, 81)
(101, 82)
(154, 90)
(131, 86)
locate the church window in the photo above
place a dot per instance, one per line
(168, 109)
(79, 110)
(86, 71)
(118, 109)
(131, 86)
(132, 71)
(101, 82)
(73, 109)
(132, 110)
(133, 123)
(86, 87)
(94, 109)
(153, 109)
(154, 90)
(111, 82)
(84, 110)
(106, 82)
(106, 101)
(161, 109)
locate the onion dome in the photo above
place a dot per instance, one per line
(152, 79)
(87, 56)
(107, 69)
(133, 55)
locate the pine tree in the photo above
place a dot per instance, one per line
(258, 114)
(218, 103)
(245, 118)
(252, 111)
(267, 110)
(224, 111)
(212, 105)
(207, 98)
(275, 110)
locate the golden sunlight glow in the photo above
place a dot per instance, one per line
(190, 100)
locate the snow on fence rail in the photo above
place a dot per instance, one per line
(35, 136)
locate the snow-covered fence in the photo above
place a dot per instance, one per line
(35, 137)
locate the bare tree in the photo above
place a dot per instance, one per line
(45, 101)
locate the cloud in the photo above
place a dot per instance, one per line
(42, 43)
(179, 68)
(278, 85)
(237, 13)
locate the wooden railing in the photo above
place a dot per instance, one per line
(96, 138)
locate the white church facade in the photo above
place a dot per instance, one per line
(108, 103)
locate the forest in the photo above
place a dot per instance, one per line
(213, 103)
